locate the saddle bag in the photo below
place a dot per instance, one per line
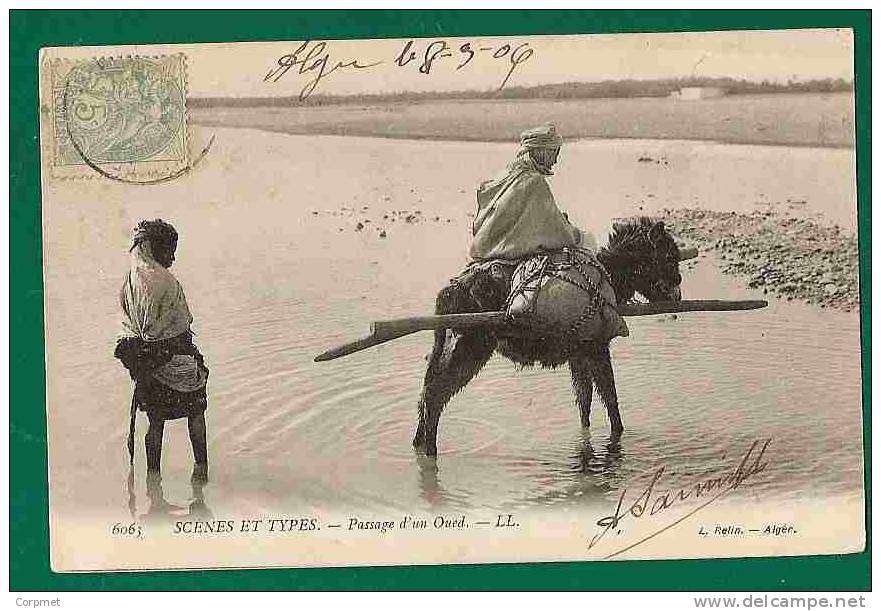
(567, 294)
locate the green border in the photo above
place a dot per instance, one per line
(28, 510)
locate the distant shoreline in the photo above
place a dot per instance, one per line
(429, 138)
(549, 92)
(822, 120)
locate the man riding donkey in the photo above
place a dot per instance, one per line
(517, 216)
(157, 347)
(560, 292)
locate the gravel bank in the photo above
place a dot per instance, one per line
(791, 257)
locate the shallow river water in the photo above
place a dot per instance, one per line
(271, 284)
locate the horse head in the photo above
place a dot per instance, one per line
(642, 257)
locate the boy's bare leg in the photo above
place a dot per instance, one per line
(153, 444)
(198, 435)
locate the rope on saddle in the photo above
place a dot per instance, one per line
(554, 267)
(528, 285)
(597, 302)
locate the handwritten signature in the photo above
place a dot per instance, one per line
(651, 503)
(313, 59)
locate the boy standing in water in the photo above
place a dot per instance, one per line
(157, 347)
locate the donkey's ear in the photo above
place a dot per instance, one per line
(657, 231)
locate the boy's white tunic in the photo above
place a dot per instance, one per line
(155, 309)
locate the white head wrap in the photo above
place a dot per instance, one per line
(538, 147)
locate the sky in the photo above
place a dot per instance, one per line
(240, 69)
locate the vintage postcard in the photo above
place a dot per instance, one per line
(452, 300)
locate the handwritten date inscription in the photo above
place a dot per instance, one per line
(313, 60)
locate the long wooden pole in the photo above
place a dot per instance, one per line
(690, 305)
(361, 344)
(386, 330)
(439, 321)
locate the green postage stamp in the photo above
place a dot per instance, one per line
(123, 117)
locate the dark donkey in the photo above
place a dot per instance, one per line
(641, 257)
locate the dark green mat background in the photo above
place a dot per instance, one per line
(28, 511)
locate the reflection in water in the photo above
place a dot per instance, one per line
(130, 490)
(430, 488)
(429, 483)
(600, 465)
(595, 471)
(591, 472)
(159, 510)
(198, 508)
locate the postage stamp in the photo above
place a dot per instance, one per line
(123, 117)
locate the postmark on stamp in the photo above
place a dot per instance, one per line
(121, 117)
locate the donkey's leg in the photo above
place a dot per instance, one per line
(456, 358)
(434, 363)
(600, 363)
(452, 299)
(582, 384)
(460, 358)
